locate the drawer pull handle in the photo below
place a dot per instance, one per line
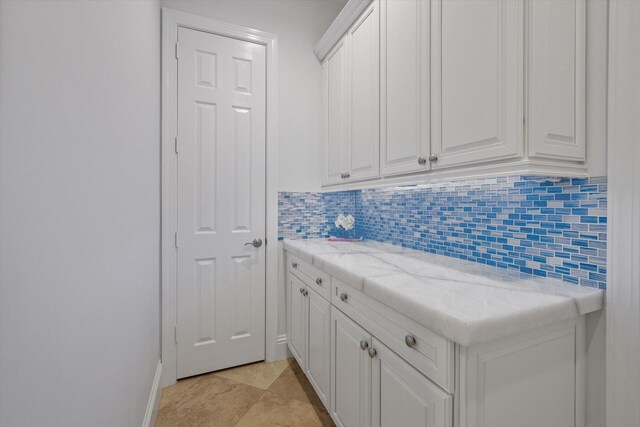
(364, 345)
(318, 281)
(343, 297)
(372, 352)
(294, 264)
(410, 341)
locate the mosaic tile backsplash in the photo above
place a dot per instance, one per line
(545, 227)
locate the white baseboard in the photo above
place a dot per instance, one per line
(282, 352)
(154, 399)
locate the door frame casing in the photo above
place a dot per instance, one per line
(171, 21)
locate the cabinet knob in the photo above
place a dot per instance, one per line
(343, 297)
(422, 160)
(372, 352)
(410, 341)
(364, 345)
(346, 175)
(433, 157)
(305, 292)
(302, 291)
(318, 281)
(294, 264)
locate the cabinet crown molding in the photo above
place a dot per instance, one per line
(348, 15)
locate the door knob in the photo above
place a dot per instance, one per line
(364, 345)
(422, 160)
(256, 243)
(372, 352)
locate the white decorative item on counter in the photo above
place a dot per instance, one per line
(345, 222)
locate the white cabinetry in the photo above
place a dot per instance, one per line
(319, 321)
(296, 319)
(334, 76)
(403, 396)
(373, 366)
(404, 81)
(459, 88)
(477, 81)
(556, 89)
(350, 372)
(351, 107)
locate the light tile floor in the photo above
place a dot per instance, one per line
(260, 394)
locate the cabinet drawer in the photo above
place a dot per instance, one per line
(429, 352)
(316, 279)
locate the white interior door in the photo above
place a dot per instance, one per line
(221, 202)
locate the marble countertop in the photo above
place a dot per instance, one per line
(464, 301)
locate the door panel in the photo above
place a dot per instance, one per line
(221, 202)
(477, 81)
(364, 90)
(557, 79)
(297, 320)
(319, 344)
(350, 373)
(402, 396)
(404, 93)
(334, 124)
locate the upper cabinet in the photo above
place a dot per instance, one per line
(351, 87)
(477, 81)
(404, 87)
(421, 88)
(556, 89)
(334, 75)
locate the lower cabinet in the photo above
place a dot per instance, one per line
(350, 372)
(404, 397)
(297, 319)
(372, 386)
(319, 345)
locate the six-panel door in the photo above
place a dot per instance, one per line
(402, 396)
(350, 372)
(319, 344)
(220, 202)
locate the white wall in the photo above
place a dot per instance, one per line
(79, 211)
(299, 24)
(623, 285)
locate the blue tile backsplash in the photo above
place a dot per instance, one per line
(545, 227)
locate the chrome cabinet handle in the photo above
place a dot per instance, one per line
(364, 345)
(410, 341)
(318, 281)
(294, 264)
(343, 297)
(422, 160)
(372, 352)
(433, 157)
(256, 243)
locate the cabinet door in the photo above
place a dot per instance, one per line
(477, 81)
(404, 91)
(556, 88)
(319, 345)
(297, 320)
(334, 126)
(402, 396)
(364, 101)
(350, 372)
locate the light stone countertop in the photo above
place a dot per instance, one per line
(464, 301)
